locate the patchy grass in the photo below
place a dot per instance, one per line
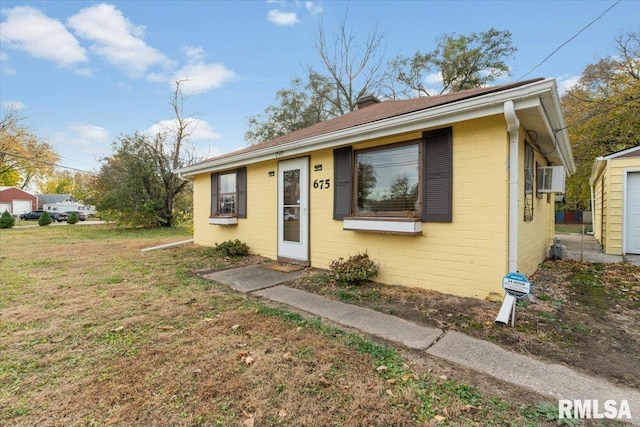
(95, 332)
(583, 315)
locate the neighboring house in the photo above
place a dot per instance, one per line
(17, 201)
(442, 191)
(51, 199)
(615, 193)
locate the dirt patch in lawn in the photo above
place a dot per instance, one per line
(583, 315)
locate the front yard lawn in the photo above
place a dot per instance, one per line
(95, 332)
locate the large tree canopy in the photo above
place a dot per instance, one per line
(137, 184)
(351, 68)
(602, 112)
(131, 184)
(23, 156)
(457, 63)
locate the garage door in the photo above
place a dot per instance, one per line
(21, 206)
(4, 207)
(632, 213)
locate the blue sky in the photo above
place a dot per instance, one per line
(83, 72)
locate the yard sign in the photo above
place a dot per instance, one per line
(516, 285)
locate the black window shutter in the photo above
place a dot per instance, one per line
(241, 188)
(343, 182)
(437, 176)
(214, 194)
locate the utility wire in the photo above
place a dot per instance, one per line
(33, 159)
(572, 37)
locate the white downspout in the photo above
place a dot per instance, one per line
(513, 126)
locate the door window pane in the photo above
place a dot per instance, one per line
(291, 205)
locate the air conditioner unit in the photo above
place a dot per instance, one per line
(551, 179)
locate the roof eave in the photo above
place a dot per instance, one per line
(466, 109)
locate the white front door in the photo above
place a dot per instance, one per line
(293, 210)
(632, 213)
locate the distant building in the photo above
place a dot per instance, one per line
(17, 201)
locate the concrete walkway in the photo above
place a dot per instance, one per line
(551, 380)
(586, 248)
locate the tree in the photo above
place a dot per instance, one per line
(346, 74)
(72, 219)
(7, 220)
(300, 106)
(366, 183)
(352, 73)
(458, 62)
(602, 112)
(80, 184)
(137, 183)
(403, 195)
(45, 219)
(351, 68)
(23, 156)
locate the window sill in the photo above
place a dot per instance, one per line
(406, 226)
(223, 220)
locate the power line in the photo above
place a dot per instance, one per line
(572, 37)
(33, 159)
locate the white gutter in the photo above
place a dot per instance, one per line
(564, 147)
(513, 127)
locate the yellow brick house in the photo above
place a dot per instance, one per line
(615, 192)
(447, 192)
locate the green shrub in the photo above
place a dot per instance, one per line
(232, 248)
(7, 220)
(44, 219)
(72, 218)
(354, 270)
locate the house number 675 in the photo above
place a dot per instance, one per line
(322, 184)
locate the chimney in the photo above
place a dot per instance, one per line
(366, 101)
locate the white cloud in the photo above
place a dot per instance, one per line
(566, 82)
(29, 30)
(433, 78)
(84, 134)
(199, 129)
(279, 17)
(202, 133)
(116, 39)
(193, 53)
(197, 76)
(13, 105)
(313, 7)
(80, 145)
(200, 77)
